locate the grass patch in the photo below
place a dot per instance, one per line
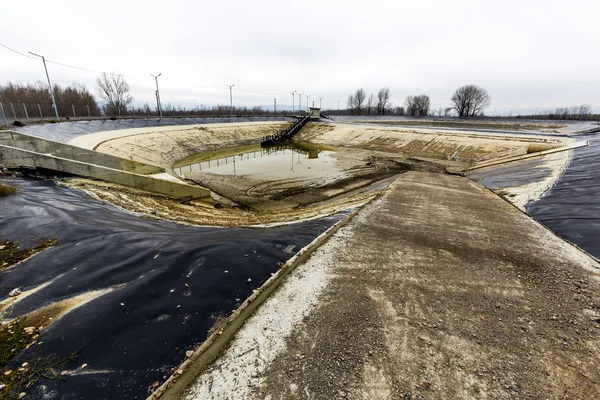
(11, 254)
(5, 190)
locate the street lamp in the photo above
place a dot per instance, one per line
(49, 86)
(230, 100)
(321, 102)
(300, 101)
(307, 101)
(293, 93)
(158, 106)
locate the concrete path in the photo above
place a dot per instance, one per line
(438, 290)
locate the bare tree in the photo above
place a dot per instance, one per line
(114, 90)
(383, 100)
(370, 104)
(417, 106)
(75, 96)
(359, 100)
(470, 100)
(351, 102)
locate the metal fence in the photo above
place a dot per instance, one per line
(15, 113)
(21, 112)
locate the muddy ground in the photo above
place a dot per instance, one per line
(359, 170)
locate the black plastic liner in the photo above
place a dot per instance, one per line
(65, 131)
(128, 347)
(572, 207)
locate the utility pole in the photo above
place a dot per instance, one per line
(275, 106)
(293, 93)
(230, 100)
(158, 105)
(49, 86)
(321, 102)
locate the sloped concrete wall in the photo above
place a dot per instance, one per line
(14, 157)
(44, 146)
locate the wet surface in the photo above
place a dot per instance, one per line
(137, 333)
(276, 163)
(65, 131)
(513, 174)
(572, 207)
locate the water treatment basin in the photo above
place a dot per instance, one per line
(271, 163)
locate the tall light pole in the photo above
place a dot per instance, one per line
(158, 105)
(307, 96)
(230, 100)
(49, 86)
(293, 98)
(300, 101)
(321, 102)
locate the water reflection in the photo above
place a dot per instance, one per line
(277, 162)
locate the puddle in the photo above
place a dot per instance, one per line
(271, 163)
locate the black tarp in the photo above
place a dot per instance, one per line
(571, 208)
(128, 347)
(65, 131)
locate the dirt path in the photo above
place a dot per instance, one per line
(439, 290)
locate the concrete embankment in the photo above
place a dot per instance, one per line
(49, 147)
(458, 147)
(165, 145)
(440, 289)
(18, 150)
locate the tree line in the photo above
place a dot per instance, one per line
(76, 95)
(467, 101)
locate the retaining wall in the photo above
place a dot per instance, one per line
(44, 146)
(14, 157)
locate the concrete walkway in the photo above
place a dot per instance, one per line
(438, 290)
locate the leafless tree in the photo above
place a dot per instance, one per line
(356, 101)
(383, 100)
(351, 102)
(370, 104)
(359, 100)
(417, 106)
(114, 90)
(470, 100)
(74, 96)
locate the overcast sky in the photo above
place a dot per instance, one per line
(526, 53)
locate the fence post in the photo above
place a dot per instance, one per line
(89, 113)
(26, 113)
(13, 110)
(40, 110)
(73, 107)
(3, 114)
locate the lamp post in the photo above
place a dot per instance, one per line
(300, 101)
(321, 102)
(49, 86)
(158, 105)
(307, 101)
(230, 100)
(293, 93)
